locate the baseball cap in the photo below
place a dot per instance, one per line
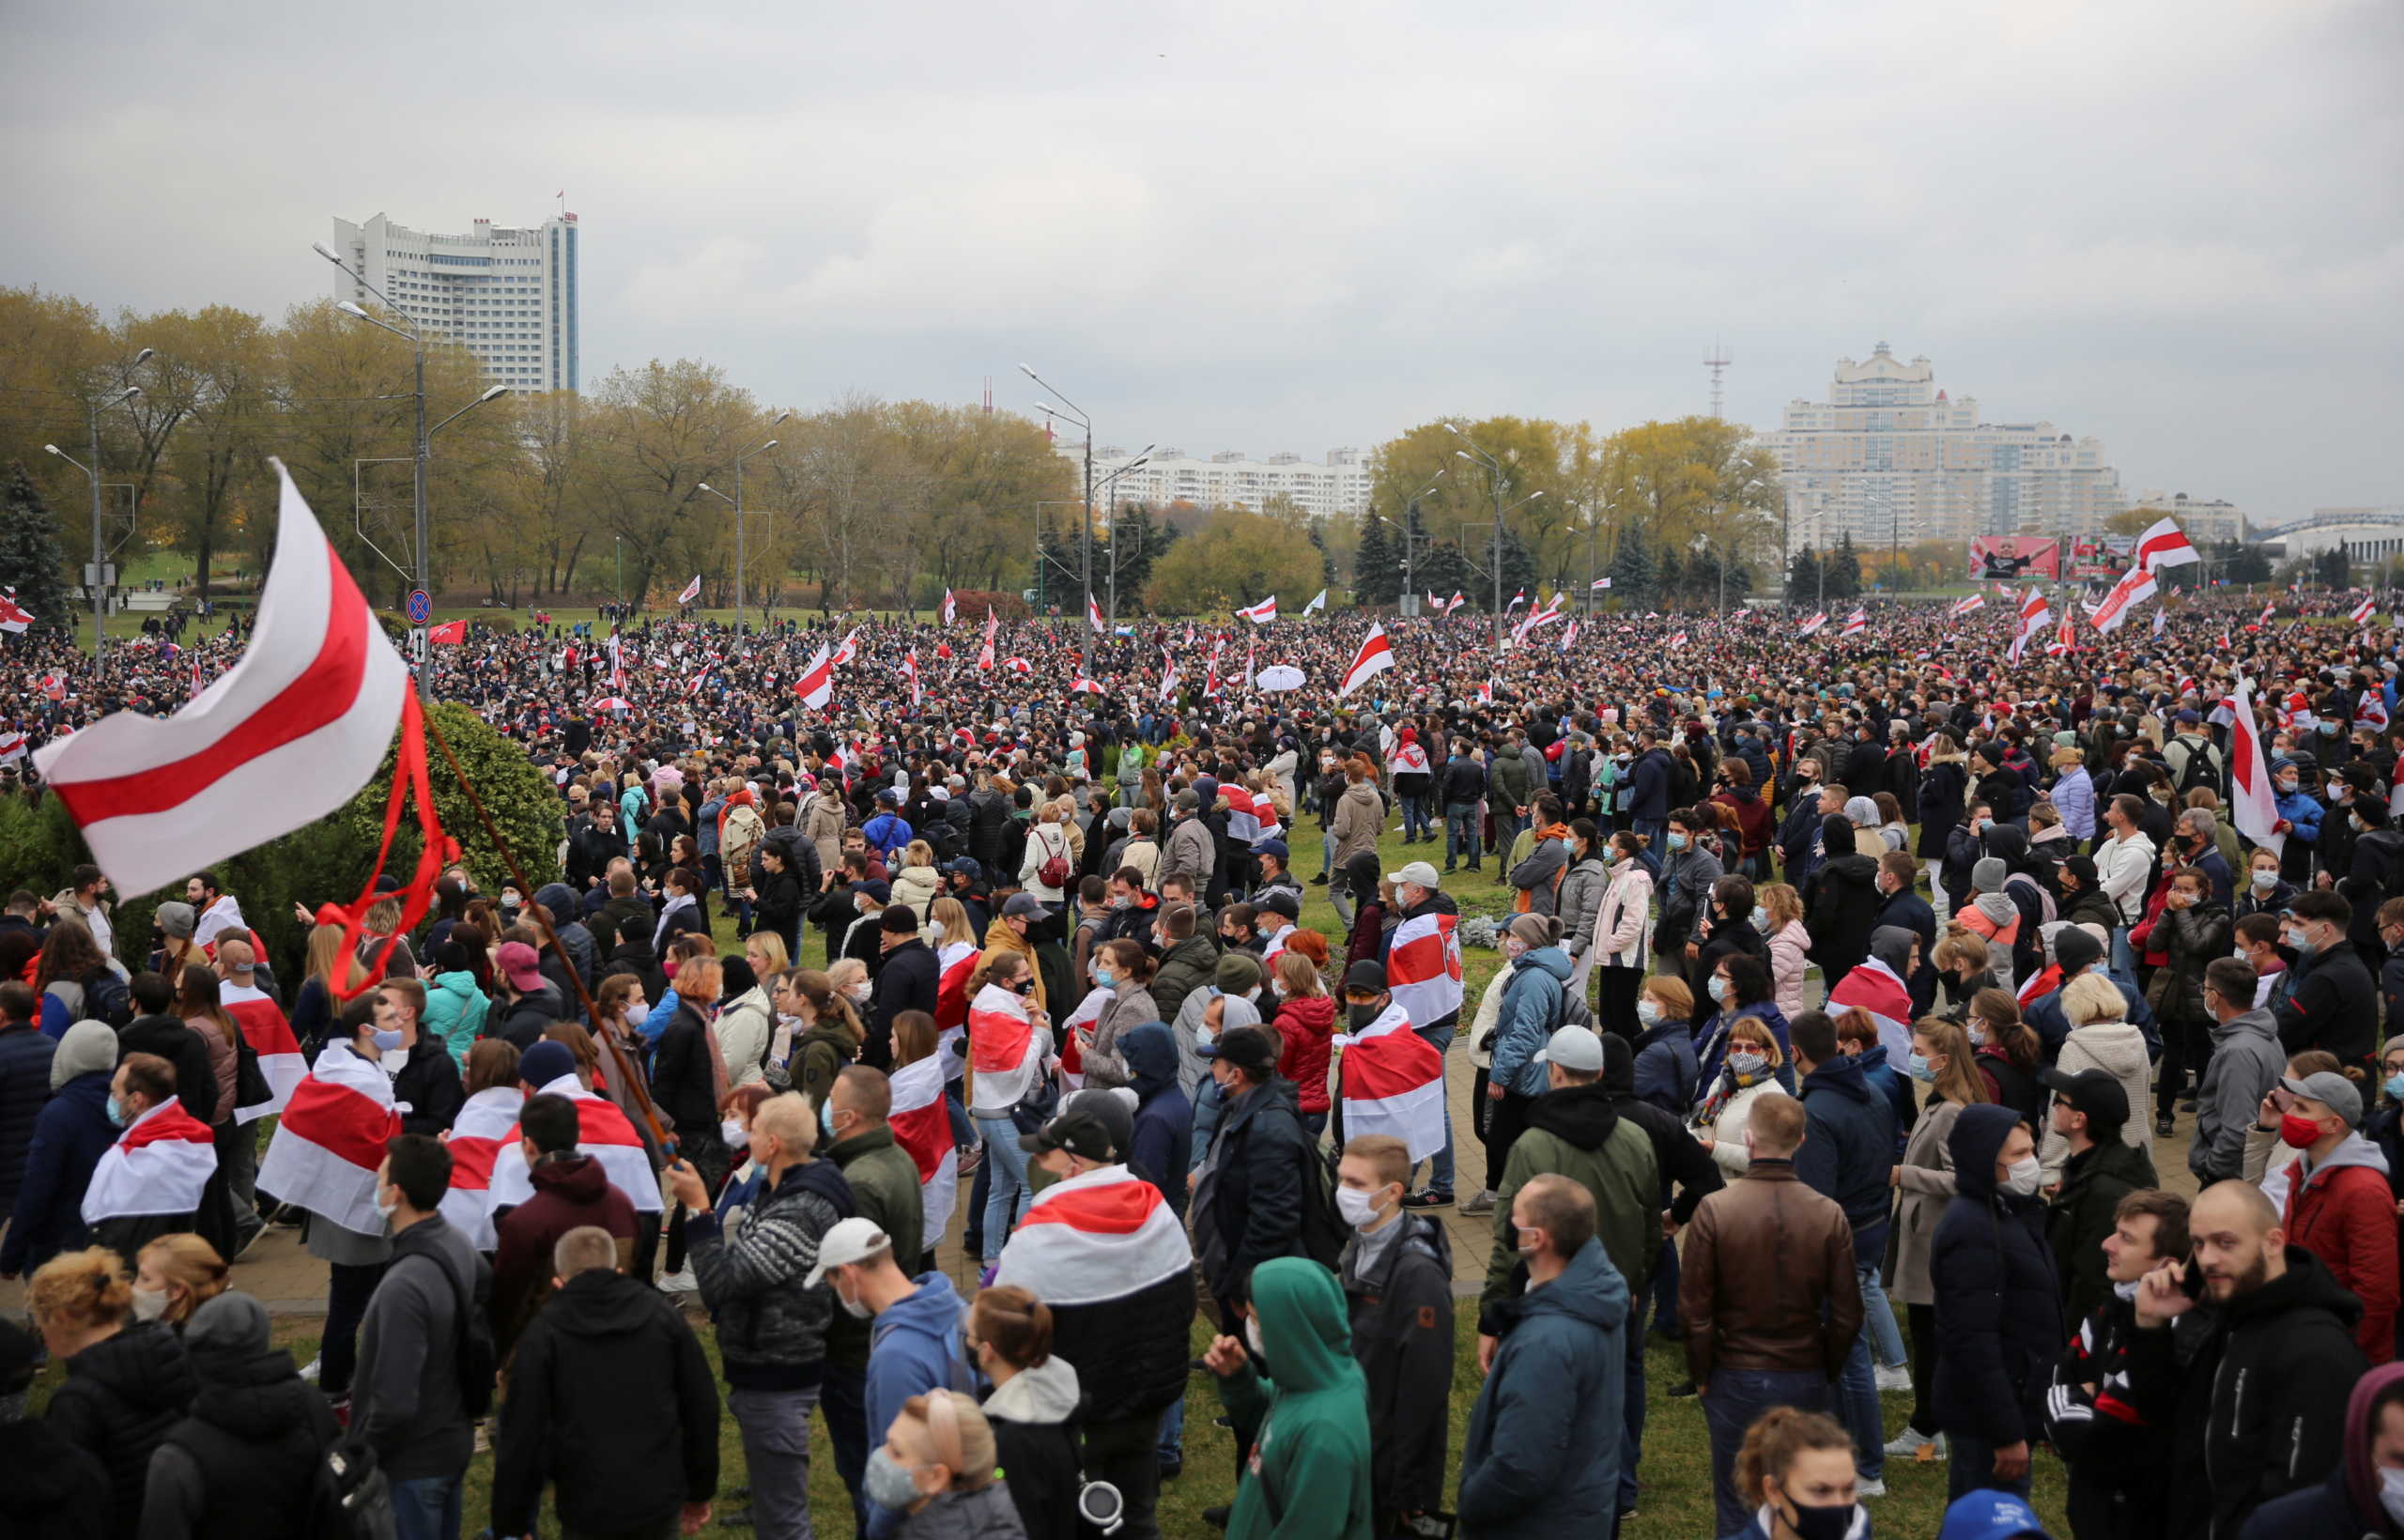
(1250, 1048)
(1989, 1515)
(2331, 1091)
(966, 866)
(2095, 1092)
(1419, 874)
(519, 964)
(1279, 902)
(845, 1243)
(1367, 977)
(1273, 847)
(1076, 1131)
(1023, 904)
(1578, 1048)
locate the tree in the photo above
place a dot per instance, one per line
(1519, 567)
(524, 806)
(1844, 569)
(2237, 563)
(1803, 577)
(1238, 559)
(31, 558)
(1632, 570)
(2134, 520)
(1326, 557)
(2330, 568)
(1136, 548)
(1377, 563)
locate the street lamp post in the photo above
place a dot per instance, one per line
(1494, 484)
(95, 575)
(739, 552)
(1406, 602)
(1076, 414)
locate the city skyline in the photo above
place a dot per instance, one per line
(2171, 229)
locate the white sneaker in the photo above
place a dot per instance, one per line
(310, 1374)
(1911, 1444)
(1895, 1377)
(1482, 1204)
(680, 1282)
(1868, 1488)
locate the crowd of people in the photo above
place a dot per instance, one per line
(1837, 974)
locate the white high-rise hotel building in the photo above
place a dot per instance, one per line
(506, 294)
(1888, 455)
(1340, 484)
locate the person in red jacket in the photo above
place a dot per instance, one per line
(1305, 1021)
(570, 1191)
(1734, 792)
(2336, 1205)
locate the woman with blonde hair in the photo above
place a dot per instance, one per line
(128, 1380)
(312, 1003)
(1047, 842)
(2100, 1038)
(937, 1464)
(176, 1275)
(1791, 1460)
(1781, 917)
(917, 882)
(1748, 1072)
(1941, 1061)
(766, 952)
(688, 1071)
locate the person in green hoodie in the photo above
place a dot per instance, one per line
(1292, 1378)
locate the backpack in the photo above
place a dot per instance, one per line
(478, 1361)
(1323, 1230)
(1054, 871)
(2202, 769)
(349, 1496)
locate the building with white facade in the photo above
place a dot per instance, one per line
(506, 293)
(1338, 484)
(2366, 534)
(1890, 457)
(2206, 521)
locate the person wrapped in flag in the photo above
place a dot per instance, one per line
(1009, 1046)
(152, 1180)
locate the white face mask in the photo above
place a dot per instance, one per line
(1252, 1337)
(732, 1132)
(1359, 1210)
(2390, 1493)
(149, 1303)
(2022, 1177)
(384, 1212)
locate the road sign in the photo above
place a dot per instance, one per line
(420, 607)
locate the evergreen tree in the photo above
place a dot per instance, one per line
(1844, 569)
(1062, 580)
(1442, 570)
(1326, 559)
(1137, 545)
(1669, 580)
(2238, 563)
(1632, 576)
(31, 560)
(1376, 569)
(1518, 568)
(1803, 578)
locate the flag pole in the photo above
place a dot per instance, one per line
(551, 939)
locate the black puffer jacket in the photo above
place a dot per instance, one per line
(121, 1396)
(1249, 1210)
(241, 1465)
(1998, 1312)
(52, 1488)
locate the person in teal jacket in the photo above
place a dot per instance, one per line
(1294, 1381)
(1542, 1457)
(455, 1013)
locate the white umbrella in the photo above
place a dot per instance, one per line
(1280, 676)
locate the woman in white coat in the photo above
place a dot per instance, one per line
(1622, 935)
(2100, 1038)
(1749, 1072)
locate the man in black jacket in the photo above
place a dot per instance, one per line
(2119, 1463)
(1998, 1309)
(908, 979)
(154, 1031)
(2247, 1352)
(1248, 1199)
(591, 848)
(243, 1461)
(1397, 1275)
(2333, 1002)
(611, 1401)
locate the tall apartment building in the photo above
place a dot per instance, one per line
(2207, 521)
(1339, 484)
(506, 293)
(1890, 456)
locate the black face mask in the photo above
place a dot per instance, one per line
(1022, 986)
(1831, 1521)
(1362, 1017)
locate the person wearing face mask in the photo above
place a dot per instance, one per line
(1533, 1006)
(1010, 1042)
(759, 1278)
(1797, 1465)
(127, 1382)
(2266, 892)
(176, 1275)
(2300, 813)
(70, 1132)
(1940, 1059)
(2332, 1004)
(2335, 1200)
(571, 1191)
(1998, 1310)
(1688, 870)
(1729, 928)
(1397, 1270)
(1031, 1410)
(2088, 1110)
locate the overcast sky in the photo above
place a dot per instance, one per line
(2175, 225)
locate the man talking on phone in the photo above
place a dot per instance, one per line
(2246, 1350)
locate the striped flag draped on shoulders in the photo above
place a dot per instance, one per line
(157, 1166)
(1873, 987)
(1424, 967)
(270, 1035)
(602, 1132)
(1099, 1235)
(1392, 1082)
(488, 1121)
(921, 1124)
(331, 1138)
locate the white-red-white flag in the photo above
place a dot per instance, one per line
(2252, 805)
(1677, 639)
(1856, 623)
(1391, 1082)
(285, 737)
(2129, 592)
(1600, 583)
(910, 673)
(2361, 612)
(950, 610)
(992, 629)
(487, 1120)
(331, 1138)
(849, 647)
(1812, 625)
(921, 1125)
(816, 685)
(157, 1166)
(1516, 600)
(1097, 1237)
(14, 617)
(1093, 615)
(1261, 613)
(1424, 967)
(1375, 658)
(1967, 604)
(1454, 603)
(270, 1035)
(1873, 987)
(691, 591)
(602, 1131)
(2165, 545)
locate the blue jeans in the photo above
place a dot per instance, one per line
(2124, 962)
(1657, 834)
(843, 1398)
(1007, 1195)
(1631, 1435)
(1439, 1170)
(1415, 821)
(426, 1508)
(1731, 1402)
(1856, 1400)
(1878, 1322)
(1326, 854)
(1172, 1444)
(1460, 834)
(1969, 1466)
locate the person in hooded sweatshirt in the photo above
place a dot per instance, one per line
(1396, 1269)
(243, 1462)
(1531, 1007)
(1998, 1306)
(1163, 1136)
(1033, 1410)
(53, 1488)
(610, 1402)
(70, 1133)
(571, 1192)
(1841, 900)
(2364, 1495)
(128, 1380)
(1292, 1381)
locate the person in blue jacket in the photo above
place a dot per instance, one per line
(1542, 1457)
(2300, 811)
(917, 1343)
(1531, 1010)
(1164, 1129)
(70, 1136)
(888, 831)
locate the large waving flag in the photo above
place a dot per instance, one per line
(1812, 625)
(1261, 613)
(157, 1166)
(816, 685)
(15, 618)
(449, 633)
(954, 961)
(1099, 1235)
(2126, 595)
(910, 673)
(2361, 612)
(1454, 603)
(489, 1119)
(1872, 987)
(2165, 545)
(1375, 658)
(1169, 677)
(1317, 604)
(992, 628)
(602, 1132)
(331, 1138)
(270, 1038)
(283, 738)
(1424, 967)
(1967, 604)
(922, 1126)
(2257, 814)
(1854, 624)
(1392, 1082)
(849, 647)
(950, 610)
(1093, 616)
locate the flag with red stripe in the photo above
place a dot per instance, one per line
(1873, 987)
(954, 961)
(2253, 808)
(1101, 1236)
(270, 1038)
(1424, 967)
(157, 1166)
(602, 1132)
(487, 1120)
(1375, 658)
(921, 1124)
(331, 1138)
(816, 685)
(1392, 1082)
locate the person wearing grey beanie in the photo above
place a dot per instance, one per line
(70, 1136)
(248, 1462)
(1991, 914)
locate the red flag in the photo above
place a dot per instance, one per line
(449, 633)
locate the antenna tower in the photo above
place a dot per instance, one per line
(1718, 363)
